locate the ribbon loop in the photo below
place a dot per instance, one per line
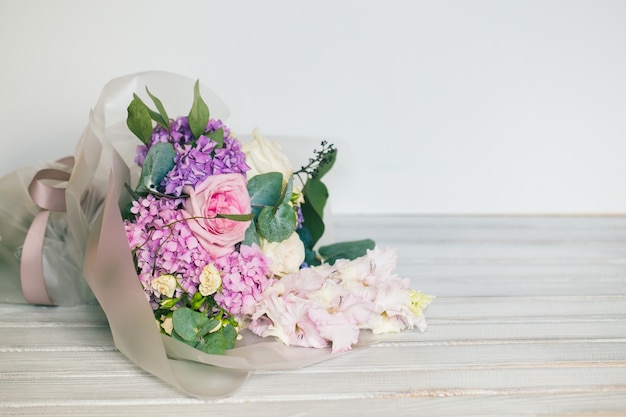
(49, 198)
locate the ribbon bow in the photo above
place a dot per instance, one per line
(48, 198)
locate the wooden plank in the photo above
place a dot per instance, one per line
(530, 318)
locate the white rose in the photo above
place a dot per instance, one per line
(264, 156)
(165, 285)
(286, 256)
(210, 280)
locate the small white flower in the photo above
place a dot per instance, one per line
(210, 280)
(164, 285)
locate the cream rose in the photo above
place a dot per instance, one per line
(218, 194)
(164, 285)
(286, 256)
(210, 280)
(263, 156)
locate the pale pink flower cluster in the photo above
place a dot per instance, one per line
(328, 304)
(245, 276)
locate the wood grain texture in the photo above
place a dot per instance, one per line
(529, 319)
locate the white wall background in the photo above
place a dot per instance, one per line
(437, 107)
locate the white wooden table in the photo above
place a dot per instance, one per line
(530, 318)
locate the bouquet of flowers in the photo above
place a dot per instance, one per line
(204, 251)
(224, 234)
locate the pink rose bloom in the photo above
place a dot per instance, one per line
(218, 194)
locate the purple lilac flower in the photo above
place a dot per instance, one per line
(195, 161)
(299, 217)
(164, 244)
(245, 276)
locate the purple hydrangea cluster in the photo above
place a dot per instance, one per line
(195, 161)
(164, 244)
(244, 279)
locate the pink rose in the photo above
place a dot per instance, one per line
(218, 194)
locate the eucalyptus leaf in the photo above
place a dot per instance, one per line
(190, 325)
(251, 235)
(212, 343)
(199, 113)
(277, 224)
(161, 117)
(159, 161)
(286, 196)
(139, 121)
(265, 190)
(346, 250)
(230, 335)
(218, 342)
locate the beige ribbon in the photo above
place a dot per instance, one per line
(48, 198)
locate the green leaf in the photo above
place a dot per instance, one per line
(310, 257)
(286, 195)
(190, 325)
(236, 217)
(160, 117)
(345, 250)
(199, 113)
(138, 120)
(265, 190)
(212, 343)
(277, 224)
(316, 194)
(217, 136)
(230, 335)
(330, 158)
(315, 197)
(251, 235)
(313, 223)
(159, 161)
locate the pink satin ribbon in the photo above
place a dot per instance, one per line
(49, 198)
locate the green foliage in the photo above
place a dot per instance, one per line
(161, 117)
(315, 197)
(345, 250)
(209, 335)
(199, 113)
(275, 220)
(218, 137)
(139, 121)
(277, 223)
(265, 190)
(159, 161)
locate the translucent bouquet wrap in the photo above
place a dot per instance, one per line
(46, 213)
(203, 251)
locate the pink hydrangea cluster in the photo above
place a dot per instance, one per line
(245, 276)
(164, 244)
(328, 304)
